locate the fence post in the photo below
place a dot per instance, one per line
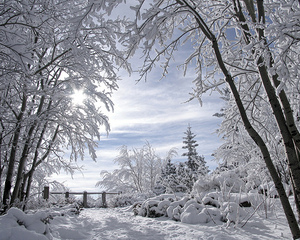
(46, 192)
(85, 199)
(104, 199)
(67, 195)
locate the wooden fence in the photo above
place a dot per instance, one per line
(46, 194)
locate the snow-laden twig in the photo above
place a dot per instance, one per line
(208, 213)
(255, 210)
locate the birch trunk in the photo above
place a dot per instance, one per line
(251, 131)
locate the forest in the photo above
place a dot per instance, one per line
(245, 50)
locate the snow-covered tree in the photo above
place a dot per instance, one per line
(252, 48)
(177, 178)
(185, 178)
(139, 170)
(48, 50)
(195, 163)
(168, 180)
(153, 164)
(168, 169)
(190, 144)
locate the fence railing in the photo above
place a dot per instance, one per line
(46, 195)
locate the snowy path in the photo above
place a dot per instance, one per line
(111, 224)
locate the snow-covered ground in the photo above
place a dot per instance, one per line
(120, 223)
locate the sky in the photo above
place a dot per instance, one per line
(156, 111)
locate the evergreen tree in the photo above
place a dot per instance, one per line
(195, 163)
(190, 144)
(202, 168)
(195, 166)
(184, 178)
(259, 62)
(168, 179)
(169, 169)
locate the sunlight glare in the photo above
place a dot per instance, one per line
(78, 97)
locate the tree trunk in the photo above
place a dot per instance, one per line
(265, 152)
(21, 166)
(282, 112)
(36, 163)
(1, 159)
(24, 156)
(288, 113)
(286, 107)
(287, 136)
(291, 153)
(295, 198)
(28, 176)
(251, 131)
(12, 157)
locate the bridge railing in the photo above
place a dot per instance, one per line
(46, 195)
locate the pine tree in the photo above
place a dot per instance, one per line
(202, 168)
(169, 169)
(185, 178)
(264, 85)
(190, 144)
(195, 163)
(168, 178)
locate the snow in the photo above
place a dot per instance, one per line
(190, 215)
(121, 223)
(18, 225)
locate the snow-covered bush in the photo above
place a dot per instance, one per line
(62, 210)
(59, 200)
(18, 225)
(159, 188)
(207, 200)
(217, 207)
(268, 189)
(127, 199)
(156, 206)
(233, 213)
(234, 180)
(185, 209)
(203, 185)
(192, 215)
(150, 208)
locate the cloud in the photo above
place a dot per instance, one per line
(156, 111)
